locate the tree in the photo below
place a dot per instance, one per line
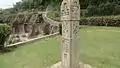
(4, 34)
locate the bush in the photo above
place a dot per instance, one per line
(117, 10)
(83, 12)
(91, 10)
(101, 21)
(4, 34)
(103, 9)
(106, 9)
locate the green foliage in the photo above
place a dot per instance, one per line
(55, 15)
(4, 33)
(91, 10)
(84, 3)
(5, 15)
(103, 9)
(101, 21)
(35, 4)
(117, 10)
(1, 9)
(94, 8)
(106, 9)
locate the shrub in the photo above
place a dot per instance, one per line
(83, 12)
(117, 10)
(4, 34)
(106, 9)
(109, 8)
(101, 21)
(91, 10)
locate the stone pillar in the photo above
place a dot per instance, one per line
(70, 16)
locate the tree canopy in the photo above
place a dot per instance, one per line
(54, 5)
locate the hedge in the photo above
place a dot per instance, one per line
(109, 8)
(101, 21)
(4, 34)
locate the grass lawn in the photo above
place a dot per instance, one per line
(99, 46)
(39, 54)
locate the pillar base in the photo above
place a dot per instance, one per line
(81, 65)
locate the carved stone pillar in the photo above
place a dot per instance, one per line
(70, 16)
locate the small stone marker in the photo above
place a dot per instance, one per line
(70, 16)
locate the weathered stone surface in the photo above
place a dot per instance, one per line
(31, 23)
(70, 16)
(28, 22)
(81, 65)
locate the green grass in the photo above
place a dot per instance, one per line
(101, 49)
(39, 54)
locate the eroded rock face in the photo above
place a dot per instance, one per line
(14, 38)
(30, 23)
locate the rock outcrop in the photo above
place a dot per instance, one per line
(30, 25)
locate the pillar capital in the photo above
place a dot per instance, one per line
(70, 10)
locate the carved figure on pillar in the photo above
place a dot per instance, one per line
(70, 16)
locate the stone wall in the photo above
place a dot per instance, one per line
(32, 40)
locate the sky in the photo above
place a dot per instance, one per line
(7, 3)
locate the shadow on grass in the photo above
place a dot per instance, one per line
(8, 49)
